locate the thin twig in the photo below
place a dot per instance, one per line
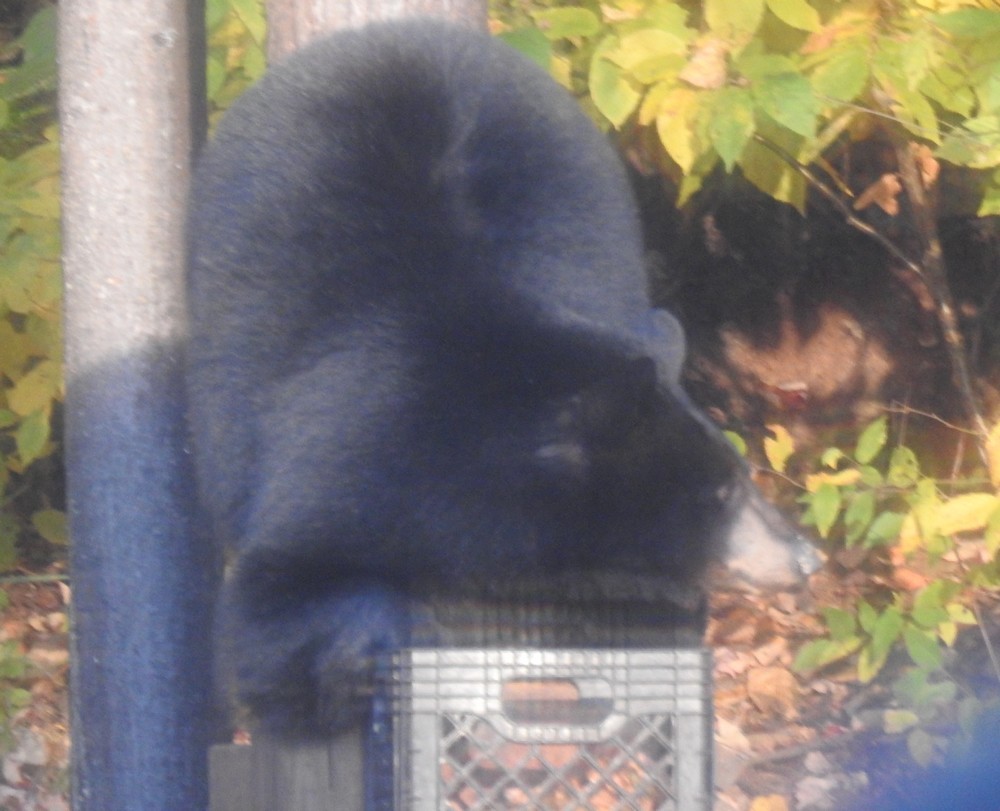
(905, 409)
(933, 280)
(990, 651)
(849, 216)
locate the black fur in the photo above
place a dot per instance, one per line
(422, 353)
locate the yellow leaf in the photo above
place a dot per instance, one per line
(841, 478)
(772, 802)
(676, 125)
(646, 44)
(613, 94)
(895, 721)
(654, 102)
(960, 614)
(734, 16)
(36, 390)
(910, 535)
(778, 447)
(948, 631)
(966, 513)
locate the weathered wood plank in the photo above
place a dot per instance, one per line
(275, 775)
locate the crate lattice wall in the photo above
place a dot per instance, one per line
(551, 729)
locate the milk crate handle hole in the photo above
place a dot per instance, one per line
(587, 702)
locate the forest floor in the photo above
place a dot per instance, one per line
(783, 742)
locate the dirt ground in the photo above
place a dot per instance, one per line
(783, 742)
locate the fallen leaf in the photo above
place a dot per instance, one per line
(927, 164)
(773, 690)
(729, 734)
(906, 579)
(770, 653)
(773, 802)
(884, 193)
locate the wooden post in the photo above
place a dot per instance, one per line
(280, 776)
(141, 678)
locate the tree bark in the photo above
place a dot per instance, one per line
(293, 23)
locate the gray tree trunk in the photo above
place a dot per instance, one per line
(141, 695)
(292, 23)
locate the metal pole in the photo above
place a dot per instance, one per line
(142, 577)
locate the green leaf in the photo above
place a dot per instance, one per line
(870, 476)
(844, 75)
(31, 436)
(215, 11)
(987, 90)
(975, 144)
(896, 721)
(969, 22)
(825, 504)
(872, 440)
(821, 652)
(736, 441)
(650, 55)
(731, 124)
(796, 13)
(928, 606)
(770, 173)
(859, 514)
(13, 664)
(990, 204)
(887, 629)
(51, 525)
(884, 529)
(251, 14)
(215, 75)
(923, 647)
(915, 689)
(841, 624)
(36, 71)
(532, 43)
(755, 65)
(734, 16)
(16, 698)
(831, 457)
(867, 617)
(788, 98)
(870, 663)
(9, 531)
(904, 469)
(917, 114)
(923, 747)
(36, 390)
(949, 87)
(613, 94)
(567, 21)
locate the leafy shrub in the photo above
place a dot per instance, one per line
(30, 288)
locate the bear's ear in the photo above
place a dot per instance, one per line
(662, 338)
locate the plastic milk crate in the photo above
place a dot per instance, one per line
(520, 728)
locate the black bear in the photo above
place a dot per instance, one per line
(422, 354)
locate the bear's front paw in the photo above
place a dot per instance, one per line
(307, 671)
(372, 623)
